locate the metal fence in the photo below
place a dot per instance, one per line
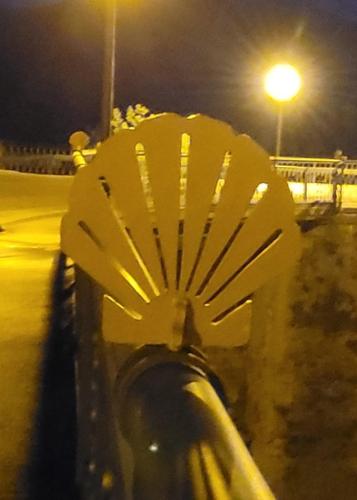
(323, 180)
(310, 180)
(39, 163)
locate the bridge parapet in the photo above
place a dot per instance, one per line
(327, 180)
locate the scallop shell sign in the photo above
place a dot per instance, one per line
(180, 220)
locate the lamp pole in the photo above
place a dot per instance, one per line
(108, 67)
(279, 129)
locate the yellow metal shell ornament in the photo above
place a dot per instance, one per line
(180, 220)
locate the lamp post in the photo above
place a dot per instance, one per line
(108, 67)
(281, 83)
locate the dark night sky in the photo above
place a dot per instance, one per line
(181, 55)
(27, 3)
(345, 8)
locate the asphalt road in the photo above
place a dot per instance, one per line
(31, 207)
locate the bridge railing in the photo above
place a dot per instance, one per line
(37, 163)
(312, 162)
(320, 179)
(326, 180)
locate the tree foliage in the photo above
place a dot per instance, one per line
(133, 116)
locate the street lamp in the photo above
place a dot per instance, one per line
(108, 67)
(282, 83)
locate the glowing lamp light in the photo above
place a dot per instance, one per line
(282, 82)
(154, 447)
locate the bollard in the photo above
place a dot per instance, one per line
(78, 141)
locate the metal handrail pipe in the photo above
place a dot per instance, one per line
(184, 444)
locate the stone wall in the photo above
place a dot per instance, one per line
(293, 388)
(301, 370)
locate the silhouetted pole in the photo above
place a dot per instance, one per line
(108, 67)
(279, 129)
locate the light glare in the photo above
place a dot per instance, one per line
(154, 447)
(282, 82)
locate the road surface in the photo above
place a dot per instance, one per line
(31, 207)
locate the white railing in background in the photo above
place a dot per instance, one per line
(320, 179)
(310, 180)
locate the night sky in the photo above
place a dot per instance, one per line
(345, 8)
(187, 56)
(27, 3)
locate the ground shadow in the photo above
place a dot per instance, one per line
(50, 473)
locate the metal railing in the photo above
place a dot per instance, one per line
(153, 422)
(50, 164)
(323, 180)
(310, 180)
(184, 440)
